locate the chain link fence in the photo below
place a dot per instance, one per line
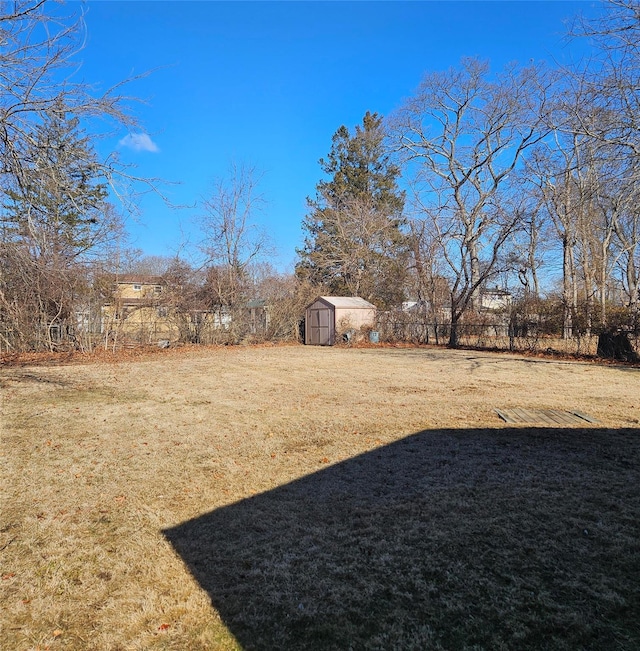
(165, 327)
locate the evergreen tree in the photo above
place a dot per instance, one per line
(355, 244)
(55, 214)
(57, 206)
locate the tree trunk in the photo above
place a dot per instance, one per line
(454, 333)
(603, 293)
(567, 294)
(632, 282)
(475, 273)
(454, 340)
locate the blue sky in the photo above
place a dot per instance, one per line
(268, 83)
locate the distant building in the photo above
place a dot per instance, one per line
(258, 316)
(495, 299)
(134, 289)
(135, 309)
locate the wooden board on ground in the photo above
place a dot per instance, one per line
(553, 417)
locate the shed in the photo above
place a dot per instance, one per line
(329, 316)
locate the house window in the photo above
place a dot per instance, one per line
(157, 289)
(137, 288)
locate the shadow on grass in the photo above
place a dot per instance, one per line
(447, 539)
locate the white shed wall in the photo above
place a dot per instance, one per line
(354, 318)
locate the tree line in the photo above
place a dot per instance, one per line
(503, 173)
(526, 179)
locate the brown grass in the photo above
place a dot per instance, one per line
(298, 497)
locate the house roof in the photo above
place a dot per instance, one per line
(352, 302)
(496, 291)
(139, 279)
(134, 302)
(414, 306)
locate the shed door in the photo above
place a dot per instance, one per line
(320, 326)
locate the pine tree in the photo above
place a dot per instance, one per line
(55, 214)
(355, 244)
(57, 205)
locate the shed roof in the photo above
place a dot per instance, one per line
(348, 302)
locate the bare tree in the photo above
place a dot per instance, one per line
(623, 199)
(612, 74)
(427, 282)
(232, 238)
(36, 63)
(583, 183)
(461, 135)
(611, 79)
(54, 218)
(554, 170)
(284, 298)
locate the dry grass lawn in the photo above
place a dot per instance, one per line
(318, 498)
